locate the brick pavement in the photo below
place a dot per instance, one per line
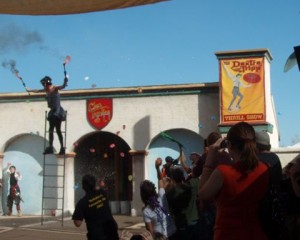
(29, 227)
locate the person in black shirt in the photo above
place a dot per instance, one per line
(292, 223)
(94, 209)
(272, 208)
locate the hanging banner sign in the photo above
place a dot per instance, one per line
(99, 112)
(242, 88)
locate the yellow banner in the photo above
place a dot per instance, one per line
(242, 90)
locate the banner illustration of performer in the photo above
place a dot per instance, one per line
(237, 84)
(242, 90)
(14, 190)
(56, 114)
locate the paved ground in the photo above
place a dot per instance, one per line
(31, 228)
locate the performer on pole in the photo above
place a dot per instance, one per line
(237, 84)
(56, 115)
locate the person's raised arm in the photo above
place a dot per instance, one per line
(182, 160)
(7, 168)
(230, 75)
(211, 179)
(34, 90)
(63, 85)
(158, 163)
(18, 176)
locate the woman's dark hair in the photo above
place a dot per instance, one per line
(148, 193)
(198, 168)
(150, 197)
(88, 183)
(242, 139)
(177, 174)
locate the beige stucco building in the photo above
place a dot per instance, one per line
(122, 151)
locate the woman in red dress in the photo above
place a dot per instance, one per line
(238, 189)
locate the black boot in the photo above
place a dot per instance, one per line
(62, 151)
(49, 150)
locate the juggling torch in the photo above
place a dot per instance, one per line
(12, 65)
(67, 60)
(21, 79)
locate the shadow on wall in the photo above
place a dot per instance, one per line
(25, 152)
(161, 147)
(141, 133)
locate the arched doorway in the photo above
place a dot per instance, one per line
(25, 152)
(161, 147)
(106, 156)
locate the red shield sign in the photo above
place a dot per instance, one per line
(99, 112)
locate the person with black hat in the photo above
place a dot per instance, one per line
(263, 144)
(171, 162)
(56, 114)
(166, 167)
(271, 209)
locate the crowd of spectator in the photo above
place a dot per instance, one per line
(235, 189)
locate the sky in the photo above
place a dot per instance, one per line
(172, 42)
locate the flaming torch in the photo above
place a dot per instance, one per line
(12, 65)
(67, 60)
(21, 79)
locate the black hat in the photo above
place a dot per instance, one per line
(169, 159)
(46, 81)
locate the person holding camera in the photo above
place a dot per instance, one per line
(237, 188)
(272, 208)
(222, 154)
(56, 114)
